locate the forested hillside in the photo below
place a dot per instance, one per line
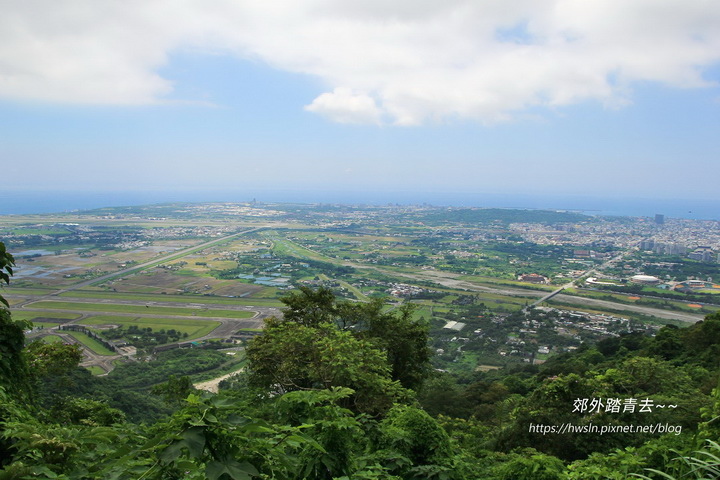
(345, 390)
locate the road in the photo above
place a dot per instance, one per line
(450, 280)
(586, 273)
(226, 328)
(655, 312)
(137, 268)
(90, 358)
(230, 326)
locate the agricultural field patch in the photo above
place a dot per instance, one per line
(131, 257)
(63, 269)
(232, 288)
(34, 230)
(425, 312)
(166, 280)
(203, 264)
(283, 247)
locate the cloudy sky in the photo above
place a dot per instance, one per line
(563, 97)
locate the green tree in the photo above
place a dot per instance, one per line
(403, 339)
(531, 465)
(667, 343)
(291, 356)
(85, 411)
(7, 261)
(702, 340)
(442, 395)
(175, 390)
(310, 307)
(13, 367)
(416, 435)
(54, 359)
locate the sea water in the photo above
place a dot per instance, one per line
(30, 202)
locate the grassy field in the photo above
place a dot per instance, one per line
(51, 339)
(354, 290)
(91, 343)
(33, 316)
(194, 328)
(26, 291)
(285, 247)
(424, 312)
(95, 370)
(35, 231)
(46, 324)
(663, 303)
(164, 260)
(105, 320)
(139, 309)
(493, 301)
(494, 282)
(258, 299)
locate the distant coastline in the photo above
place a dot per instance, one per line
(35, 202)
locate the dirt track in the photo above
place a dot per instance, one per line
(212, 385)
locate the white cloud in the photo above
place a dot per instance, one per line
(406, 61)
(345, 106)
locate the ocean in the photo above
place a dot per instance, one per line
(33, 202)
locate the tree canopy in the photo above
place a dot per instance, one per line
(403, 340)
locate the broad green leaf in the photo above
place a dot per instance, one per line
(172, 452)
(194, 440)
(228, 465)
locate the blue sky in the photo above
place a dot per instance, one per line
(366, 101)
